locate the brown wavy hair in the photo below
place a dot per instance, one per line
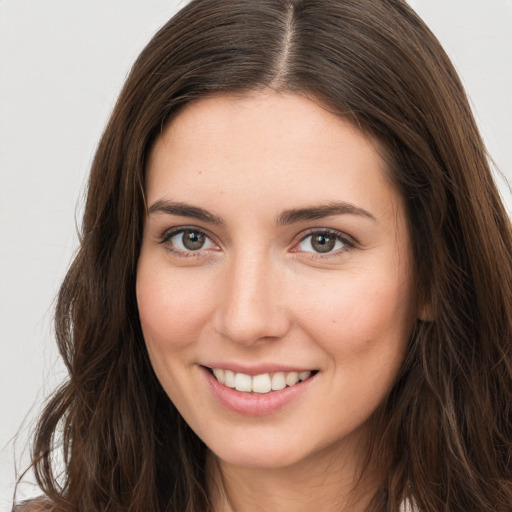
(447, 421)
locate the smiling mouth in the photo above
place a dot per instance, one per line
(262, 383)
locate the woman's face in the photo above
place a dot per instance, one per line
(275, 249)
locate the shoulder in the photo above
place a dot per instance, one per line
(35, 505)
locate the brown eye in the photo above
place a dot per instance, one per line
(322, 242)
(188, 241)
(193, 240)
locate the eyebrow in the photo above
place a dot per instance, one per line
(285, 218)
(184, 210)
(319, 212)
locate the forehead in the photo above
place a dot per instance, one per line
(280, 146)
(271, 116)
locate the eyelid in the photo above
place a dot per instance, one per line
(169, 233)
(347, 240)
(331, 231)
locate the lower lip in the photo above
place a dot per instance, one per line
(255, 404)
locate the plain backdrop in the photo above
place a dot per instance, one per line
(62, 64)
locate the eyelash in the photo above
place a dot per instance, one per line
(168, 235)
(348, 242)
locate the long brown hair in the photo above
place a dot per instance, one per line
(447, 420)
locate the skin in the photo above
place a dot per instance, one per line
(258, 293)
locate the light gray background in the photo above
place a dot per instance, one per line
(62, 64)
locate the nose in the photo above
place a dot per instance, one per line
(251, 305)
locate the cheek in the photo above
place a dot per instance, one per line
(172, 307)
(359, 314)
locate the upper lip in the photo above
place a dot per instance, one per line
(257, 369)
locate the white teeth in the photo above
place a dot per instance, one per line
(292, 378)
(243, 382)
(229, 378)
(262, 383)
(219, 374)
(278, 381)
(304, 375)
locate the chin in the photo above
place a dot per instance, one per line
(272, 452)
(262, 459)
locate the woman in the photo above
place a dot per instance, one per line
(293, 289)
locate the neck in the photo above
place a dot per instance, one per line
(330, 482)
